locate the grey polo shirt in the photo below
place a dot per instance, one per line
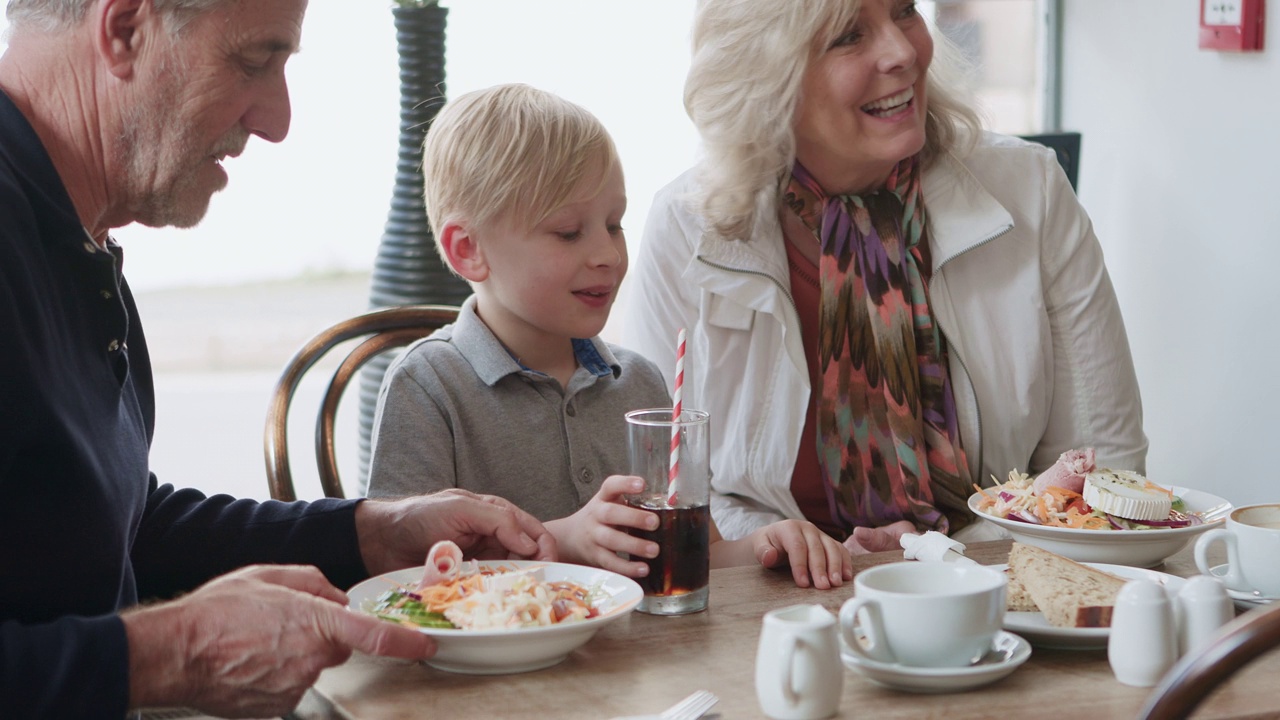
(457, 410)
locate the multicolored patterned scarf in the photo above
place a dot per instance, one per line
(888, 439)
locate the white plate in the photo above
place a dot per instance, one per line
(497, 652)
(1245, 600)
(1140, 548)
(1035, 628)
(1008, 652)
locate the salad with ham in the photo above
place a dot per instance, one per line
(466, 596)
(1075, 494)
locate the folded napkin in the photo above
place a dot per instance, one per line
(932, 547)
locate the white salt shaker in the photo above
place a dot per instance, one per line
(1144, 637)
(1203, 607)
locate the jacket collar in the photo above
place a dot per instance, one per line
(962, 216)
(962, 213)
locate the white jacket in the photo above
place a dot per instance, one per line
(1039, 359)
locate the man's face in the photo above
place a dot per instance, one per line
(199, 96)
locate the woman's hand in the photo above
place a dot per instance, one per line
(866, 540)
(815, 556)
(592, 536)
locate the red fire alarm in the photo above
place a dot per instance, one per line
(1233, 25)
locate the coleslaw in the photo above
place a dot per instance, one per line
(488, 599)
(1017, 500)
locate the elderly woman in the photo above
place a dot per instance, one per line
(884, 305)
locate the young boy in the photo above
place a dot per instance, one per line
(519, 398)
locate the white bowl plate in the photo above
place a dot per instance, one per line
(1036, 629)
(1139, 548)
(515, 650)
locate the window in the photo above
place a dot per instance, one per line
(1012, 45)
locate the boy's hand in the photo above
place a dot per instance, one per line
(813, 553)
(592, 536)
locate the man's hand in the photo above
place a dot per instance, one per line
(250, 643)
(397, 534)
(866, 540)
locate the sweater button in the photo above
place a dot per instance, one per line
(570, 411)
(106, 294)
(113, 346)
(585, 476)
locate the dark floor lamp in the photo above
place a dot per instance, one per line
(408, 270)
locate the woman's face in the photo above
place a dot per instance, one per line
(862, 103)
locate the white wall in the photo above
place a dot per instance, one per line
(1180, 171)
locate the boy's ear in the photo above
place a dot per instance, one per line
(463, 252)
(120, 27)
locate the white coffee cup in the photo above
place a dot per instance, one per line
(924, 614)
(1252, 536)
(798, 670)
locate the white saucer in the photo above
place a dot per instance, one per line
(1036, 629)
(1008, 652)
(1244, 599)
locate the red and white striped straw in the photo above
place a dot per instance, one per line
(676, 412)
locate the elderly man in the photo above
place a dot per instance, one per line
(120, 111)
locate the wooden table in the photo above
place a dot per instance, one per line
(642, 664)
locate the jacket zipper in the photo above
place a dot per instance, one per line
(977, 408)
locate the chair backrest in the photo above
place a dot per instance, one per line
(1067, 146)
(1189, 682)
(386, 329)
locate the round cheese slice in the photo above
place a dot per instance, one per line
(1126, 494)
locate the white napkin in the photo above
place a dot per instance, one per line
(932, 547)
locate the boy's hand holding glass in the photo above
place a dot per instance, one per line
(598, 532)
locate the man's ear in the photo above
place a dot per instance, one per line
(462, 250)
(120, 28)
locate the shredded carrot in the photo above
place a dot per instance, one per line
(1061, 492)
(1152, 486)
(1042, 510)
(982, 492)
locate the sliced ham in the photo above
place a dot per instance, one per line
(443, 563)
(1067, 473)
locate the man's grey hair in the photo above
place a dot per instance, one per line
(55, 15)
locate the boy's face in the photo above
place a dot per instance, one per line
(558, 279)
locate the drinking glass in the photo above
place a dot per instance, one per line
(678, 576)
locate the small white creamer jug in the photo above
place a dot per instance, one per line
(799, 675)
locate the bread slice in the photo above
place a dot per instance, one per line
(1068, 594)
(1017, 599)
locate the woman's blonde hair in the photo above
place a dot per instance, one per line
(743, 87)
(510, 150)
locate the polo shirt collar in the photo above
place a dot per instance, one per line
(492, 362)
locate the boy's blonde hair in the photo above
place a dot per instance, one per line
(510, 151)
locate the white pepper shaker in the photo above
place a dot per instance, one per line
(1144, 638)
(1203, 607)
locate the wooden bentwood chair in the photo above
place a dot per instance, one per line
(386, 328)
(1196, 676)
